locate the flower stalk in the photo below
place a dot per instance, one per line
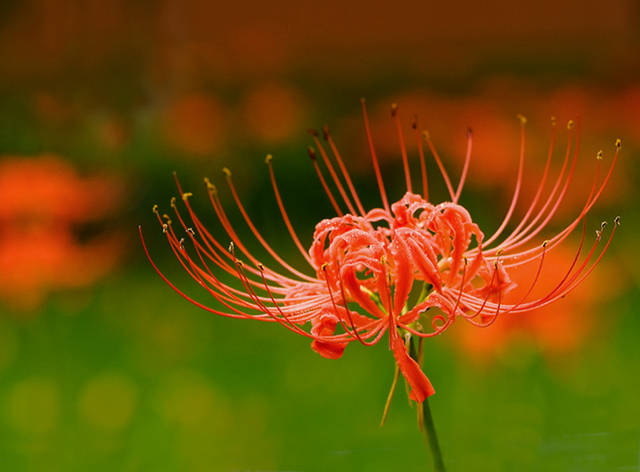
(425, 418)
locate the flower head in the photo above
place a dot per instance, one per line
(409, 269)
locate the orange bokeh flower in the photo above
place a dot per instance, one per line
(194, 124)
(558, 329)
(44, 201)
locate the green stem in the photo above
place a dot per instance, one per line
(431, 437)
(425, 420)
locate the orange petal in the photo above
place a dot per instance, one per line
(421, 388)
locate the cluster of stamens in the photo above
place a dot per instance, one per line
(395, 269)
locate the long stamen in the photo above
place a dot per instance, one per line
(465, 168)
(374, 157)
(332, 172)
(213, 196)
(427, 138)
(423, 167)
(516, 192)
(540, 186)
(312, 155)
(403, 148)
(285, 217)
(343, 168)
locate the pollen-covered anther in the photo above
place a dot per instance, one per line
(210, 187)
(325, 132)
(571, 124)
(239, 262)
(394, 109)
(186, 195)
(226, 172)
(181, 243)
(545, 243)
(553, 121)
(172, 202)
(618, 143)
(165, 228)
(312, 153)
(268, 159)
(191, 231)
(232, 248)
(260, 267)
(522, 118)
(155, 209)
(426, 135)
(168, 218)
(600, 155)
(323, 267)
(616, 220)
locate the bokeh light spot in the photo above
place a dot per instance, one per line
(108, 401)
(33, 406)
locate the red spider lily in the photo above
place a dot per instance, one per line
(381, 270)
(44, 201)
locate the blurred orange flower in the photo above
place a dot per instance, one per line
(193, 124)
(556, 329)
(44, 202)
(272, 111)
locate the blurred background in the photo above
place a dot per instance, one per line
(103, 367)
